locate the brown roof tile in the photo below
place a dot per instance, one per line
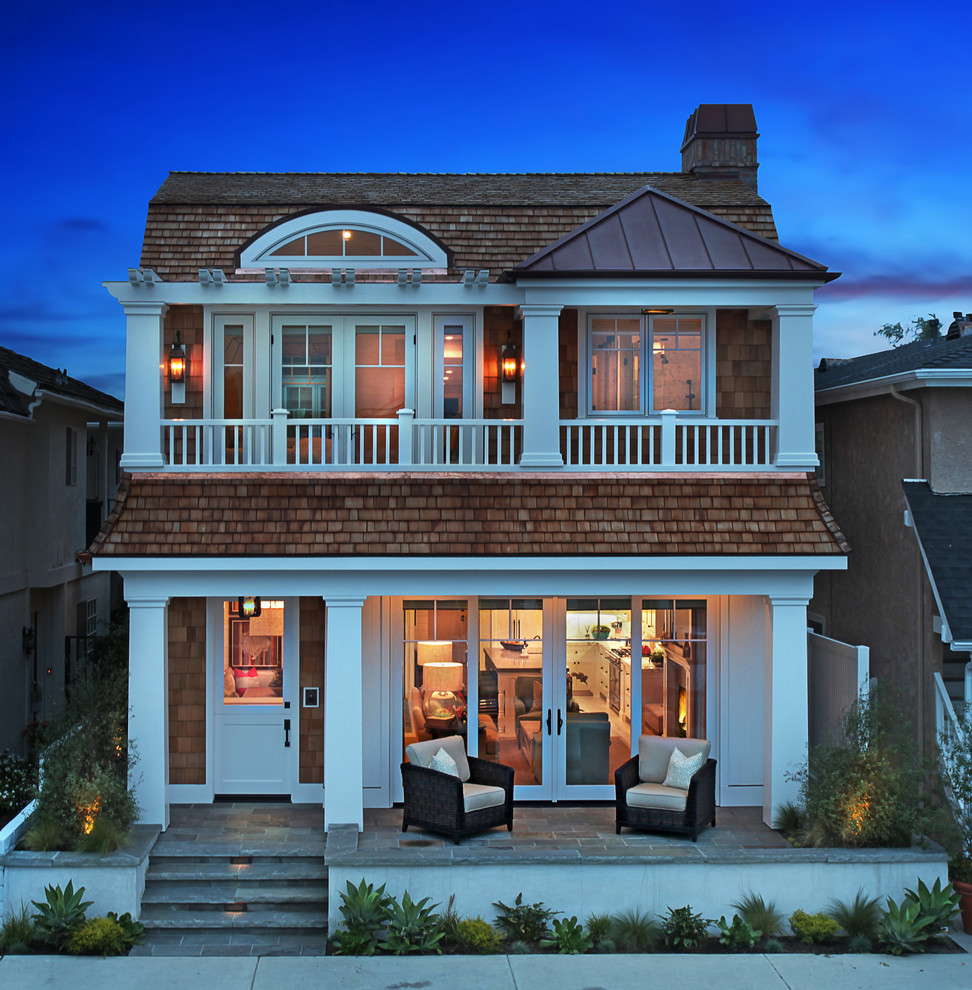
(478, 515)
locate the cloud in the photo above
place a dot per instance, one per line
(896, 287)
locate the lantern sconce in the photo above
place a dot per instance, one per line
(178, 367)
(249, 607)
(509, 368)
(28, 640)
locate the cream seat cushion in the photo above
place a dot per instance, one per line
(421, 753)
(475, 797)
(657, 797)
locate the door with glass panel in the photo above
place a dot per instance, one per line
(233, 394)
(254, 731)
(343, 382)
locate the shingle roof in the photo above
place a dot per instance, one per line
(650, 231)
(49, 380)
(939, 353)
(944, 527)
(449, 514)
(493, 221)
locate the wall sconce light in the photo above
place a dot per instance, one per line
(509, 367)
(177, 370)
(28, 639)
(249, 607)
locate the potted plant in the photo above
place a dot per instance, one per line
(600, 632)
(955, 749)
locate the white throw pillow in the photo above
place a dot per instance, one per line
(682, 768)
(444, 763)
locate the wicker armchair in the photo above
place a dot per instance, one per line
(660, 808)
(480, 798)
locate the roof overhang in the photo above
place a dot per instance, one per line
(904, 381)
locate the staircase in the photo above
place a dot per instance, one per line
(234, 905)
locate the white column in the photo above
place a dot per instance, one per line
(148, 701)
(343, 721)
(143, 385)
(792, 386)
(541, 386)
(785, 700)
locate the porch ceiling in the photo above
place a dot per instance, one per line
(450, 515)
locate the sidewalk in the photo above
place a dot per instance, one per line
(615, 972)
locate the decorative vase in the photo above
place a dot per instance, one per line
(964, 890)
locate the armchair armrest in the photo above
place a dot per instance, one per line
(487, 772)
(625, 776)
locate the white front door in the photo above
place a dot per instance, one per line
(255, 725)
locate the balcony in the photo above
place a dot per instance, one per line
(663, 443)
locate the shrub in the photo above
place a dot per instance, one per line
(598, 925)
(682, 929)
(789, 820)
(634, 931)
(524, 922)
(866, 791)
(98, 937)
(16, 782)
(859, 918)
(43, 834)
(812, 928)
(758, 914)
(477, 936)
(18, 932)
(772, 946)
(860, 944)
(85, 772)
(738, 935)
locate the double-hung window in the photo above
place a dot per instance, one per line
(642, 364)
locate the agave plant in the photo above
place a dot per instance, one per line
(568, 937)
(903, 928)
(412, 926)
(938, 905)
(61, 912)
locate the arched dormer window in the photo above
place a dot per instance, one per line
(343, 238)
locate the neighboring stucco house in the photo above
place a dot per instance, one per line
(893, 428)
(60, 444)
(524, 457)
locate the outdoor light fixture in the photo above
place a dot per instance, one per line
(509, 367)
(28, 639)
(658, 311)
(177, 361)
(249, 607)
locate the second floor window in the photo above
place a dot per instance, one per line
(643, 364)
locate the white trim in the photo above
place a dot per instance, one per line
(921, 378)
(259, 253)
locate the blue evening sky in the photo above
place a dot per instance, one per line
(862, 108)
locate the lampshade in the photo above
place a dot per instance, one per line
(445, 677)
(268, 623)
(434, 651)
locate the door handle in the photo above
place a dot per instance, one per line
(548, 721)
(560, 721)
(286, 732)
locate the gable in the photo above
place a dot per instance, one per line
(651, 233)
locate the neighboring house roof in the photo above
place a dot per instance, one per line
(491, 221)
(943, 524)
(652, 233)
(22, 380)
(908, 360)
(165, 515)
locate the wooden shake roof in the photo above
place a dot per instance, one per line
(301, 515)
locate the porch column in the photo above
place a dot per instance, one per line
(785, 720)
(143, 385)
(792, 386)
(541, 386)
(148, 702)
(343, 718)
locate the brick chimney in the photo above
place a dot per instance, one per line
(720, 143)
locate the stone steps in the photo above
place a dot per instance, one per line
(221, 904)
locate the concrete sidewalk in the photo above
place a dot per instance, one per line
(615, 972)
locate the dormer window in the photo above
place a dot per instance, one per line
(344, 238)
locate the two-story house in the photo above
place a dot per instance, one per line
(893, 430)
(60, 442)
(523, 457)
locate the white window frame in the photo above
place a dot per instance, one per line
(259, 253)
(707, 385)
(439, 324)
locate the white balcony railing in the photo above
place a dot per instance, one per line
(403, 442)
(669, 443)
